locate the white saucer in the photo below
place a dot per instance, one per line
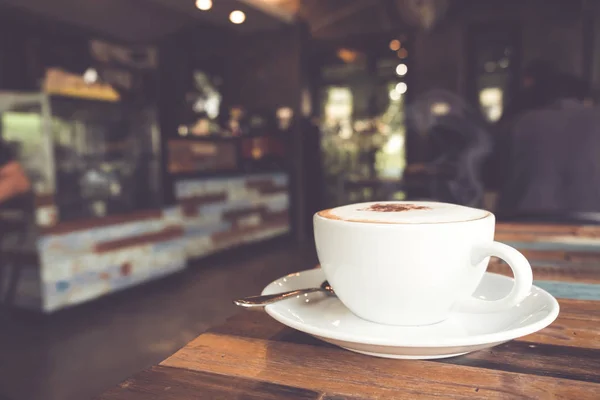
(326, 318)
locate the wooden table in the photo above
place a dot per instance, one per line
(254, 357)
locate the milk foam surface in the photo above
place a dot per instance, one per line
(418, 212)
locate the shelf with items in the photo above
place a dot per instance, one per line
(224, 155)
(104, 156)
(185, 156)
(86, 158)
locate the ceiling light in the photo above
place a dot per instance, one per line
(237, 17)
(401, 88)
(401, 69)
(204, 5)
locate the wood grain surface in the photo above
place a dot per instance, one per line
(549, 229)
(252, 356)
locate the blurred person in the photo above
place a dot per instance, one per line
(568, 88)
(17, 220)
(533, 93)
(554, 165)
(533, 90)
(13, 180)
(459, 144)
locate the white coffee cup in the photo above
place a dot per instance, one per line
(413, 266)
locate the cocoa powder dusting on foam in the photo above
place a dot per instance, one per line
(375, 207)
(394, 207)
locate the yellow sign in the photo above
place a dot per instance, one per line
(62, 83)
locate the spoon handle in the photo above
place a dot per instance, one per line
(261, 301)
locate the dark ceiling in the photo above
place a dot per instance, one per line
(338, 18)
(146, 20)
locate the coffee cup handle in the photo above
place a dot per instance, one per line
(523, 277)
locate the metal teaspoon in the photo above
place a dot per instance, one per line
(261, 301)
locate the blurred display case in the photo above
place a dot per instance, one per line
(242, 142)
(189, 156)
(86, 158)
(267, 152)
(99, 182)
(100, 225)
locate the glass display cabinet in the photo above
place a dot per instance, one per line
(100, 224)
(86, 158)
(96, 223)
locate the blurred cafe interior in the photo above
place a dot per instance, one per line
(176, 152)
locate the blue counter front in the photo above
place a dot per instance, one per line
(78, 265)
